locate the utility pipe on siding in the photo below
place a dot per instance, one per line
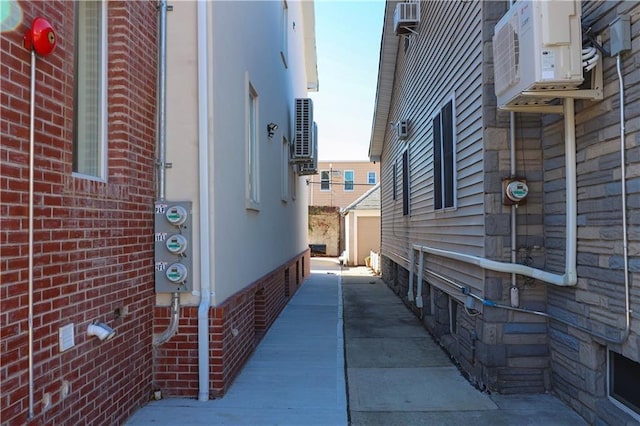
(203, 179)
(623, 195)
(570, 277)
(158, 339)
(515, 299)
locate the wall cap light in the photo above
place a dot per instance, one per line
(271, 129)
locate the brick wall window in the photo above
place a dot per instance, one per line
(444, 158)
(90, 90)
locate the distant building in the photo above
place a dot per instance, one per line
(336, 186)
(339, 183)
(362, 228)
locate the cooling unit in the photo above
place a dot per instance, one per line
(303, 141)
(537, 47)
(311, 167)
(406, 17)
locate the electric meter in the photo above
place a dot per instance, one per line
(517, 191)
(177, 273)
(176, 244)
(176, 215)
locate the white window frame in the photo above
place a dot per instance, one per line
(352, 181)
(252, 151)
(285, 168)
(328, 180)
(369, 175)
(80, 168)
(284, 48)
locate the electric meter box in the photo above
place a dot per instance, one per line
(173, 236)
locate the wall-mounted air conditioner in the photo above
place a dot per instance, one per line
(402, 128)
(303, 140)
(537, 47)
(406, 17)
(311, 167)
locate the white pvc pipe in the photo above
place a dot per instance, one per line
(623, 195)
(32, 103)
(412, 260)
(158, 339)
(203, 179)
(570, 277)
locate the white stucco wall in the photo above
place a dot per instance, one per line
(245, 44)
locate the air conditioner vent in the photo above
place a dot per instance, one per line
(406, 17)
(303, 146)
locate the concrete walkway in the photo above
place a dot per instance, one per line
(396, 373)
(295, 376)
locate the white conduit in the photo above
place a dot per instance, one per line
(159, 339)
(203, 170)
(570, 277)
(32, 103)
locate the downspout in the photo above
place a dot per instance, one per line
(162, 165)
(203, 179)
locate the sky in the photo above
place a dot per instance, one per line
(348, 36)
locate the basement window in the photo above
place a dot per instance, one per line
(623, 379)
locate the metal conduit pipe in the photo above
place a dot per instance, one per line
(512, 161)
(32, 103)
(158, 339)
(623, 195)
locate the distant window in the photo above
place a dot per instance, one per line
(285, 170)
(90, 93)
(325, 180)
(395, 180)
(405, 183)
(349, 176)
(285, 33)
(624, 376)
(444, 158)
(252, 183)
(371, 178)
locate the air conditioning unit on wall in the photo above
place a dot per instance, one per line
(303, 146)
(406, 17)
(311, 167)
(537, 47)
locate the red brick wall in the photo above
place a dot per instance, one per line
(93, 252)
(235, 328)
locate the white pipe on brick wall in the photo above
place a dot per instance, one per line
(570, 277)
(203, 179)
(160, 338)
(32, 103)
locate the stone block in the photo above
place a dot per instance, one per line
(491, 355)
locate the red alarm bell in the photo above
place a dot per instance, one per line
(40, 37)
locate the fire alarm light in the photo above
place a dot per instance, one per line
(40, 37)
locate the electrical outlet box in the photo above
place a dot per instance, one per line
(173, 238)
(620, 34)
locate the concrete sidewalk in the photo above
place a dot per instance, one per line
(398, 375)
(295, 377)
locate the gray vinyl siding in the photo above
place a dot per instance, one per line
(451, 56)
